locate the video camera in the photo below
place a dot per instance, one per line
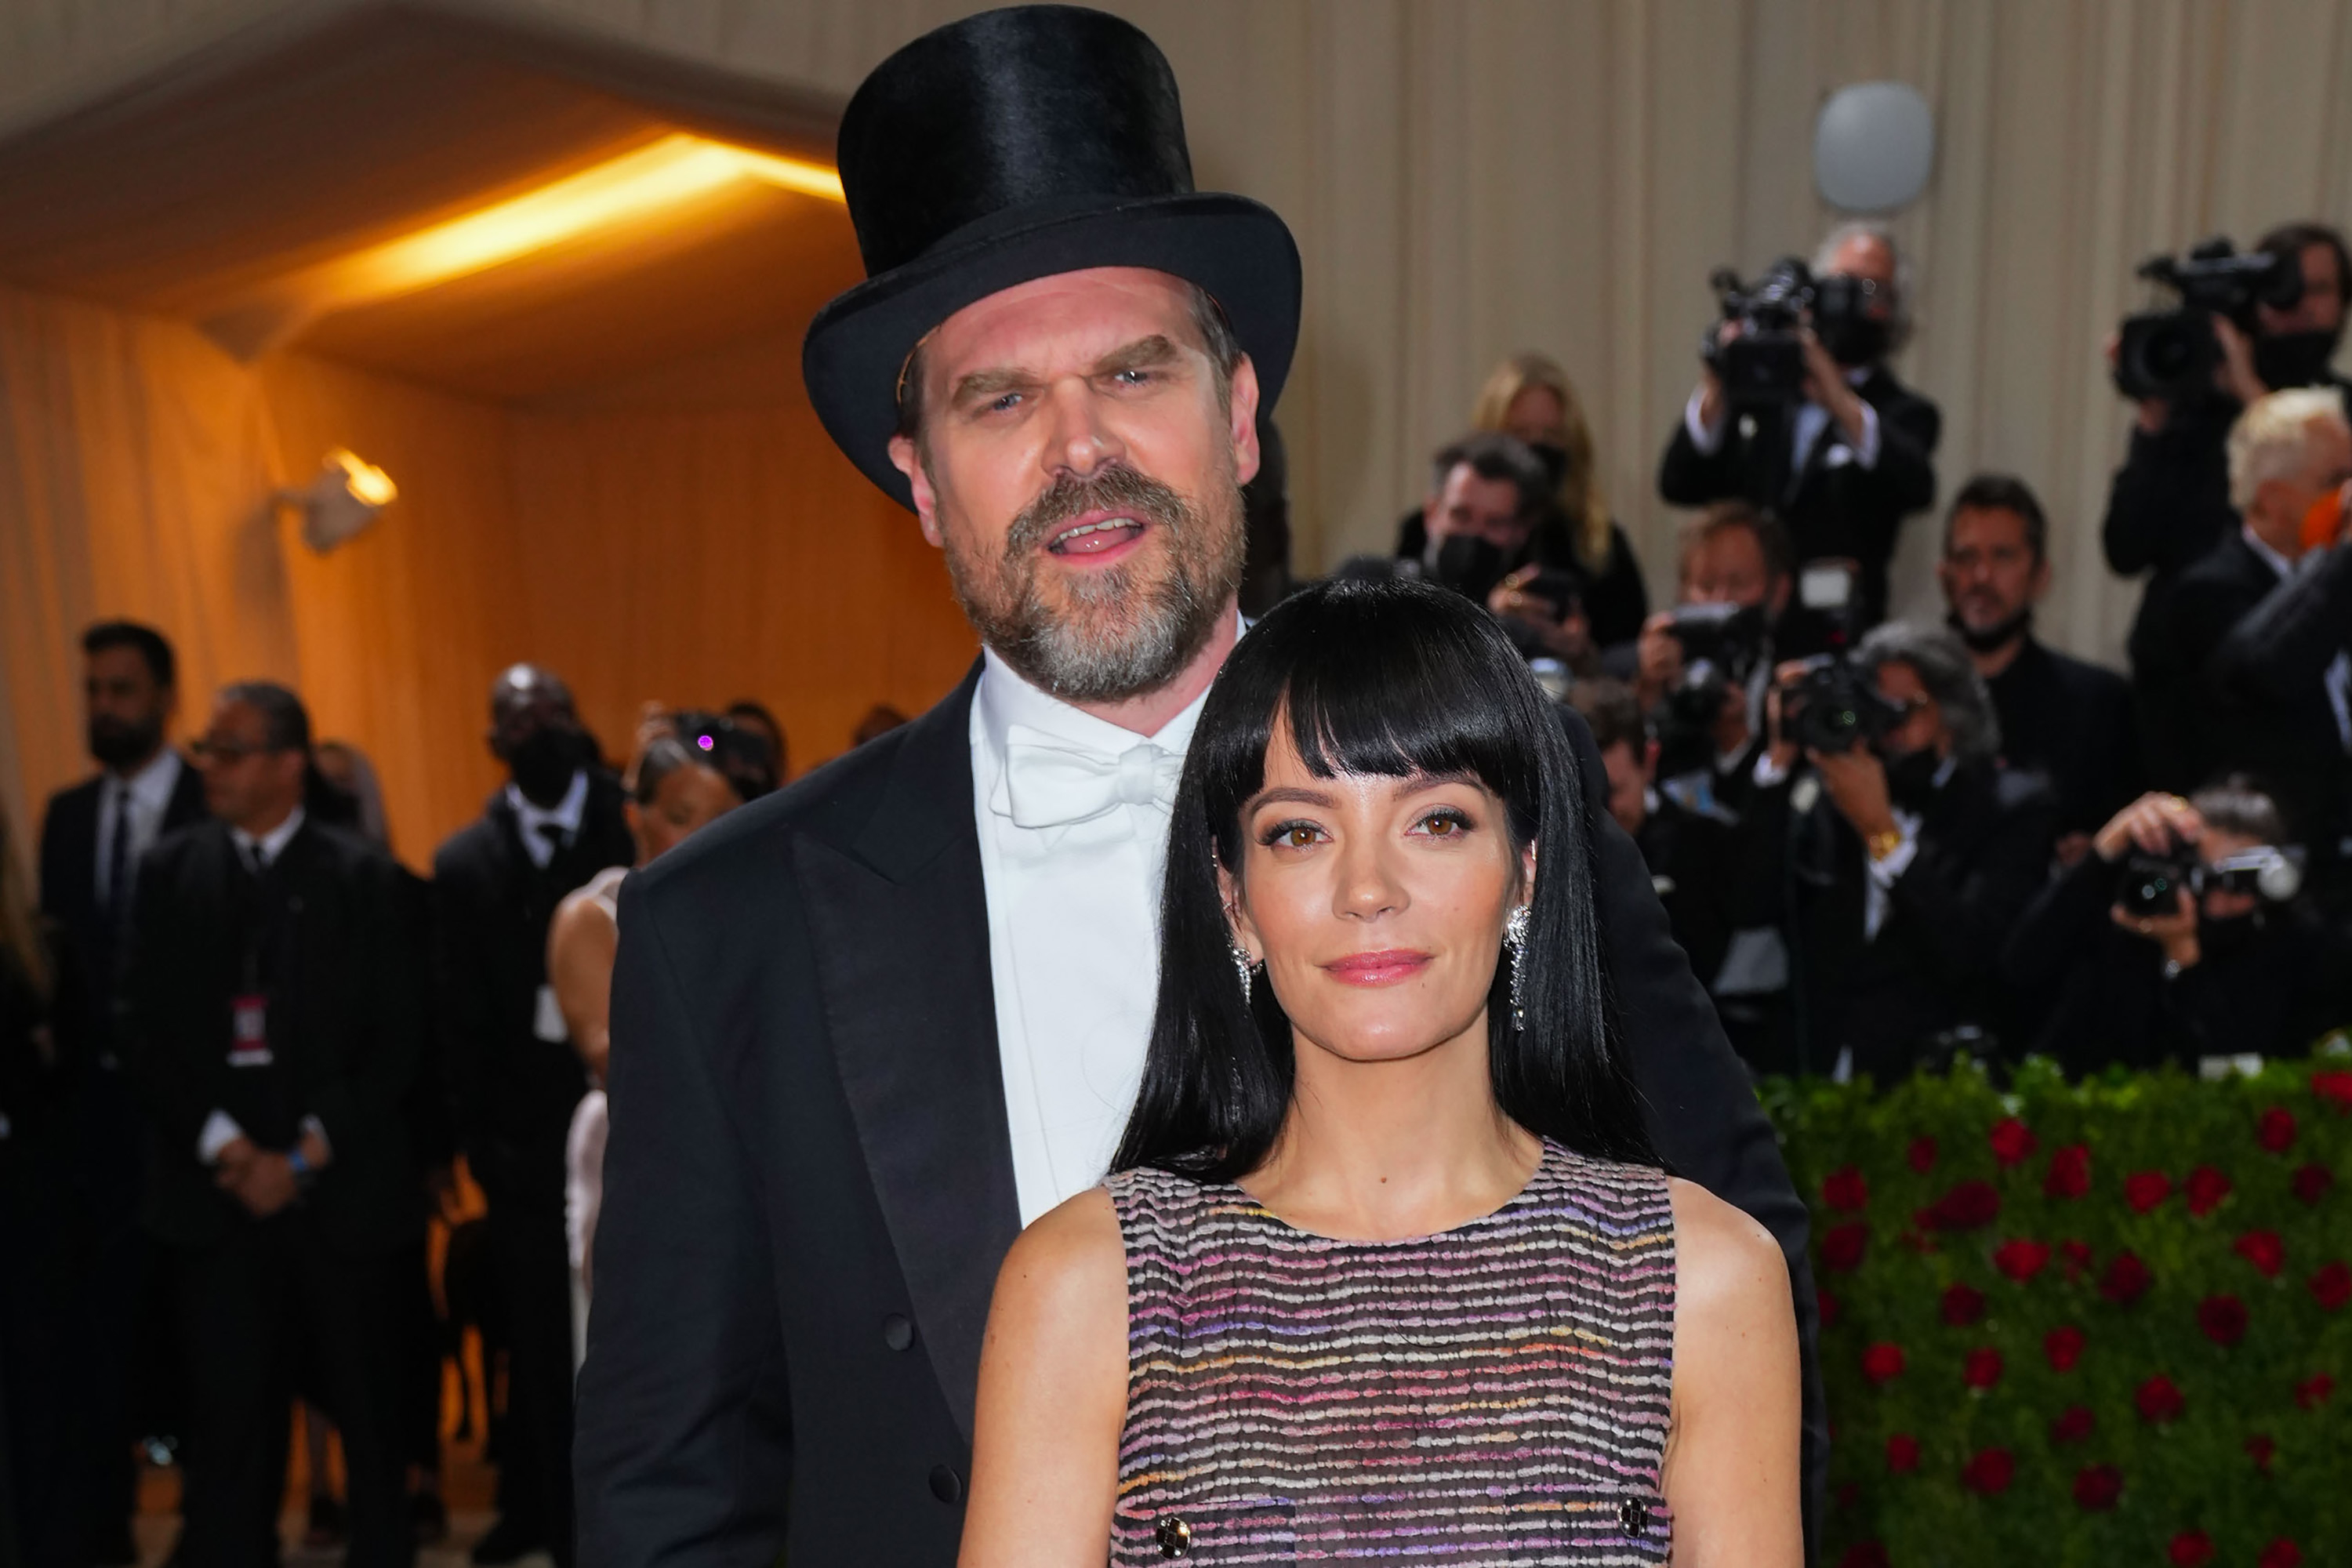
(1721, 646)
(1764, 365)
(2150, 885)
(1834, 707)
(2172, 353)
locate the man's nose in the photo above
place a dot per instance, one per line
(1078, 440)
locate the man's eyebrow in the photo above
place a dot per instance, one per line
(1141, 355)
(983, 384)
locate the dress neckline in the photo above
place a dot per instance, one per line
(1552, 1154)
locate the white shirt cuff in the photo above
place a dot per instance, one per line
(220, 1130)
(1768, 771)
(1887, 867)
(1865, 451)
(1707, 439)
(312, 1124)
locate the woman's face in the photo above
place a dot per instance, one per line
(1377, 904)
(685, 800)
(1536, 417)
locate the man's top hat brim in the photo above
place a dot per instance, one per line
(1235, 248)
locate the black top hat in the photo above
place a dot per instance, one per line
(1015, 145)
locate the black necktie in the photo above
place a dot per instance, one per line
(256, 860)
(552, 834)
(118, 864)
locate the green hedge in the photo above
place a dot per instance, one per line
(2087, 1325)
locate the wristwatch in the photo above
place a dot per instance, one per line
(1883, 843)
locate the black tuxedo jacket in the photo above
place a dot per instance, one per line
(88, 966)
(345, 1027)
(511, 1094)
(809, 1187)
(1831, 507)
(2073, 722)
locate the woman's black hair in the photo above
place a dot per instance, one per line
(1394, 678)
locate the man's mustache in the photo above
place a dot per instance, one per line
(1115, 487)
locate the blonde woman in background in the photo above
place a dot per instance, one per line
(1528, 396)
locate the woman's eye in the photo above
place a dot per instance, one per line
(1445, 823)
(1290, 835)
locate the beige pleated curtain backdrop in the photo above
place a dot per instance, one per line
(1469, 179)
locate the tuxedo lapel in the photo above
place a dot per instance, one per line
(899, 917)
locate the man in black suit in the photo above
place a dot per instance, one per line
(2069, 720)
(1844, 466)
(863, 1029)
(274, 1028)
(514, 1076)
(93, 838)
(1898, 867)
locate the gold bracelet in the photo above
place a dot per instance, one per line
(1882, 844)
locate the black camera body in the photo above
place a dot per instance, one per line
(2150, 885)
(1834, 707)
(1764, 366)
(2172, 353)
(1721, 646)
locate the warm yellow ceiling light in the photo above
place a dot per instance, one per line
(633, 187)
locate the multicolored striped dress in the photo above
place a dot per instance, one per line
(1493, 1394)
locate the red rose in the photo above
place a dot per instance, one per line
(2259, 1448)
(2096, 1487)
(2010, 1139)
(2223, 1319)
(1902, 1453)
(2075, 1256)
(2275, 1129)
(2312, 1181)
(2315, 1391)
(2020, 1261)
(2190, 1548)
(2064, 1347)
(1922, 1155)
(2127, 1280)
(2146, 1189)
(2070, 1173)
(1971, 1205)
(2336, 1087)
(1843, 1188)
(1962, 1305)
(1843, 1247)
(2074, 1425)
(2264, 1250)
(1983, 1367)
(1864, 1555)
(2280, 1553)
(1989, 1472)
(2207, 1188)
(2159, 1400)
(1882, 1362)
(2332, 1286)
(1829, 1307)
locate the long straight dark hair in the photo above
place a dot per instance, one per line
(1397, 679)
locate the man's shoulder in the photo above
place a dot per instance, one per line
(75, 799)
(181, 846)
(471, 844)
(2084, 679)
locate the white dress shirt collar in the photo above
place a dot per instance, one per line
(2273, 559)
(565, 815)
(273, 843)
(1006, 698)
(150, 787)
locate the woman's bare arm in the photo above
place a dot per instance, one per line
(1731, 1474)
(581, 942)
(1053, 1395)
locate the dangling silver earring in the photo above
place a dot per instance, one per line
(1515, 947)
(1242, 967)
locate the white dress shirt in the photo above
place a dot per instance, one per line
(1810, 421)
(220, 1128)
(1073, 812)
(146, 795)
(564, 814)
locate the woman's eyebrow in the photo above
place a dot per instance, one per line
(1292, 796)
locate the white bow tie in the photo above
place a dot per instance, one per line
(1049, 782)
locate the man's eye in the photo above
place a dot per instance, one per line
(1132, 377)
(1004, 402)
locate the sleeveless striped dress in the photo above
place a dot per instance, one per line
(1493, 1394)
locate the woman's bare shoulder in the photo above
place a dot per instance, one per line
(1068, 1271)
(1728, 1267)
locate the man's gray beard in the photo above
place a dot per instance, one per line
(1121, 633)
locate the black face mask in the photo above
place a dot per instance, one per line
(1554, 460)
(1911, 779)
(543, 762)
(117, 745)
(1469, 566)
(1992, 637)
(1856, 342)
(2294, 358)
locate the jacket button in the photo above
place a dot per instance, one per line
(1175, 1536)
(1634, 1515)
(946, 1484)
(898, 1333)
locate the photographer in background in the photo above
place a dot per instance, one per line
(1846, 454)
(1896, 848)
(2069, 720)
(2214, 656)
(1689, 854)
(1489, 494)
(1700, 670)
(2181, 936)
(2169, 505)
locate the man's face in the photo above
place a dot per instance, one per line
(1990, 572)
(2321, 308)
(1481, 508)
(1867, 255)
(1083, 477)
(247, 784)
(1629, 783)
(1727, 567)
(1922, 727)
(2279, 505)
(125, 707)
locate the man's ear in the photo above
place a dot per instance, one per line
(907, 459)
(1243, 426)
